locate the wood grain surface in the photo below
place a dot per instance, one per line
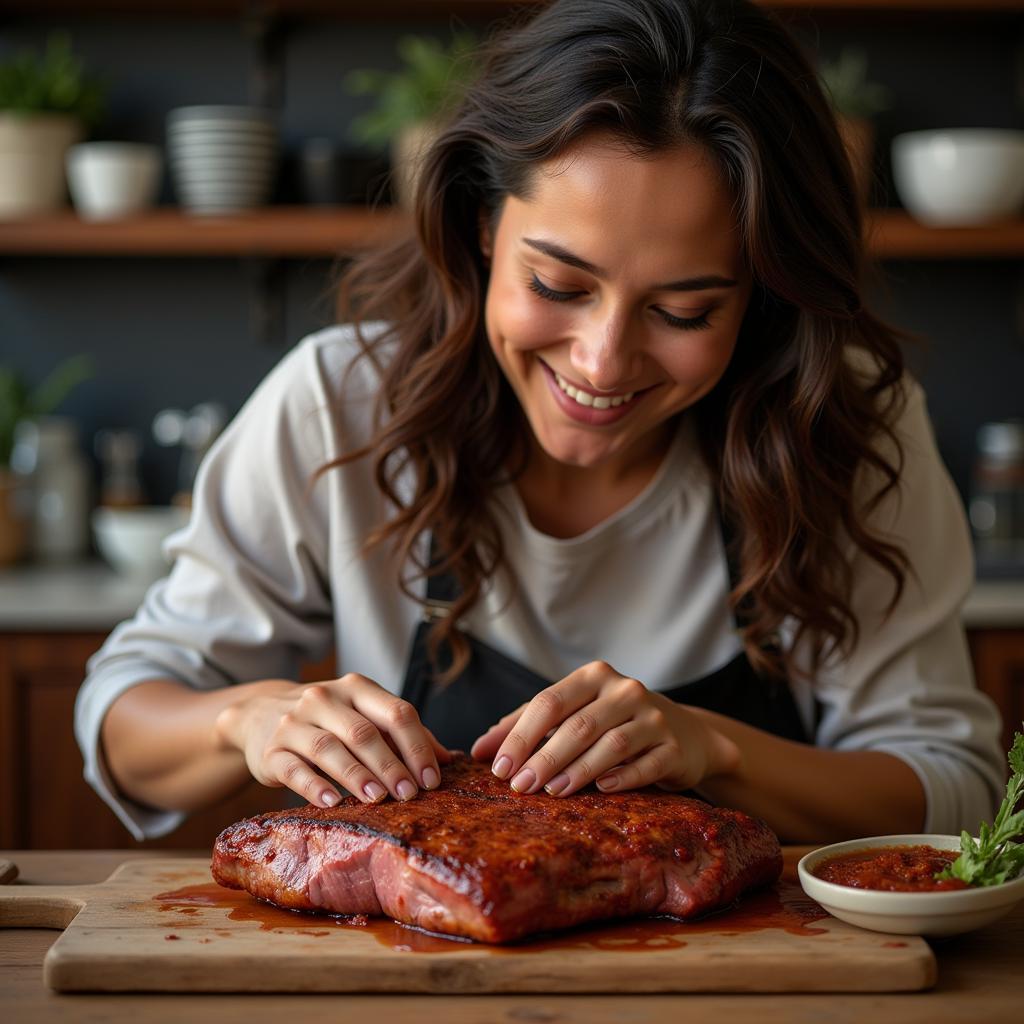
(163, 926)
(978, 980)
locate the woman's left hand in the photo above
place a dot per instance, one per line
(606, 728)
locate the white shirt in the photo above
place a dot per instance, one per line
(268, 574)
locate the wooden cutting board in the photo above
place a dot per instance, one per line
(165, 926)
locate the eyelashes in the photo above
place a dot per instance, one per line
(683, 323)
(546, 293)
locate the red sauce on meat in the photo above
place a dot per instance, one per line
(892, 868)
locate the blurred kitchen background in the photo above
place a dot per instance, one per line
(158, 324)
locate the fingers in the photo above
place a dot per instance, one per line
(304, 748)
(545, 712)
(485, 747)
(419, 749)
(359, 735)
(580, 710)
(619, 744)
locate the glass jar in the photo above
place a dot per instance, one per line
(47, 456)
(997, 494)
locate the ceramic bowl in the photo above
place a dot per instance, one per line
(907, 913)
(113, 179)
(960, 177)
(131, 539)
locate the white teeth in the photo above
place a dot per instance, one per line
(587, 399)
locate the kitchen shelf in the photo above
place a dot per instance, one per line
(318, 232)
(286, 231)
(386, 9)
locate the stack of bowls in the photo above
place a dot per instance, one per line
(222, 159)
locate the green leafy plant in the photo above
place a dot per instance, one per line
(427, 88)
(846, 82)
(995, 858)
(52, 82)
(18, 401)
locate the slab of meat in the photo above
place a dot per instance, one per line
(474, 858)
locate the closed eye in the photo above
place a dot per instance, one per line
(550, 294)
(683, 323)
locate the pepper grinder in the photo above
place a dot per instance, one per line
(118, 452)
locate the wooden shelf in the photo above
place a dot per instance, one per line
(388, 9)
(285, 231)
(894, 235)
(325, 232)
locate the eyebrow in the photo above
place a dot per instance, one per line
(690, 284)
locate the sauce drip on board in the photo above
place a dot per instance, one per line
(783, 906)
(892, 869)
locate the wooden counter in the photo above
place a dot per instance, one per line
(979, 980)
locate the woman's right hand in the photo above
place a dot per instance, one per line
(351, 729)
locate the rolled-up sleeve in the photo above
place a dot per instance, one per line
(907, 687)
(248, 595)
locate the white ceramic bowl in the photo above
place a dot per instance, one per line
(962, 176)
(113, 179)
(131, 539)
(907, 913)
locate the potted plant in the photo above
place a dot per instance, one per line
(19, 402)
(47, 103)
(856, 101)
(412, 103)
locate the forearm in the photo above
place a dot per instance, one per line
(808, 794)
(162, 746)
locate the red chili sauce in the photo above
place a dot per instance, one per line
(892, 868)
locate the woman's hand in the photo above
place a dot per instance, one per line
(349, 729)
(604, 727)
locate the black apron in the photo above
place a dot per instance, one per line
(492, 684)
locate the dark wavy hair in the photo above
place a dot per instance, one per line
(791, 425)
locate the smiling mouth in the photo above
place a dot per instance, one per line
(585, 398)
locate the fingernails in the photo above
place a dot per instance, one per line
(557, 784)
(375, 791)
(328, 799)
(405, 789)
(502, 766)
(524, 780)
(430, 778)
(609, 782)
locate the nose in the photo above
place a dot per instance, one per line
(605, 357)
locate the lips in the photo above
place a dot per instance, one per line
(588, 414)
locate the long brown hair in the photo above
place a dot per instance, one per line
(790, 427)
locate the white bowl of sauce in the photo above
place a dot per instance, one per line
(873, 896)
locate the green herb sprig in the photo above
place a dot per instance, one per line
(995, 858)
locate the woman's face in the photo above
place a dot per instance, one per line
(615, 297)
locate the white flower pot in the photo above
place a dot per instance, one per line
(32, 150)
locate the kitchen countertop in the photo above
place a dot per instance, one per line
(978, 980)
(92, 597)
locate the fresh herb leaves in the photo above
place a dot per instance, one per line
(994, 857)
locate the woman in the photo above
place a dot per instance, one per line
(610, 477)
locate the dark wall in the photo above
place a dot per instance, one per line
(179, 331)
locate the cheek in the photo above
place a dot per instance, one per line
(699, 361)
(518, 322)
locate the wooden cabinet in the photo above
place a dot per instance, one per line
(46, 804)
(44, 801)
(998, 656)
